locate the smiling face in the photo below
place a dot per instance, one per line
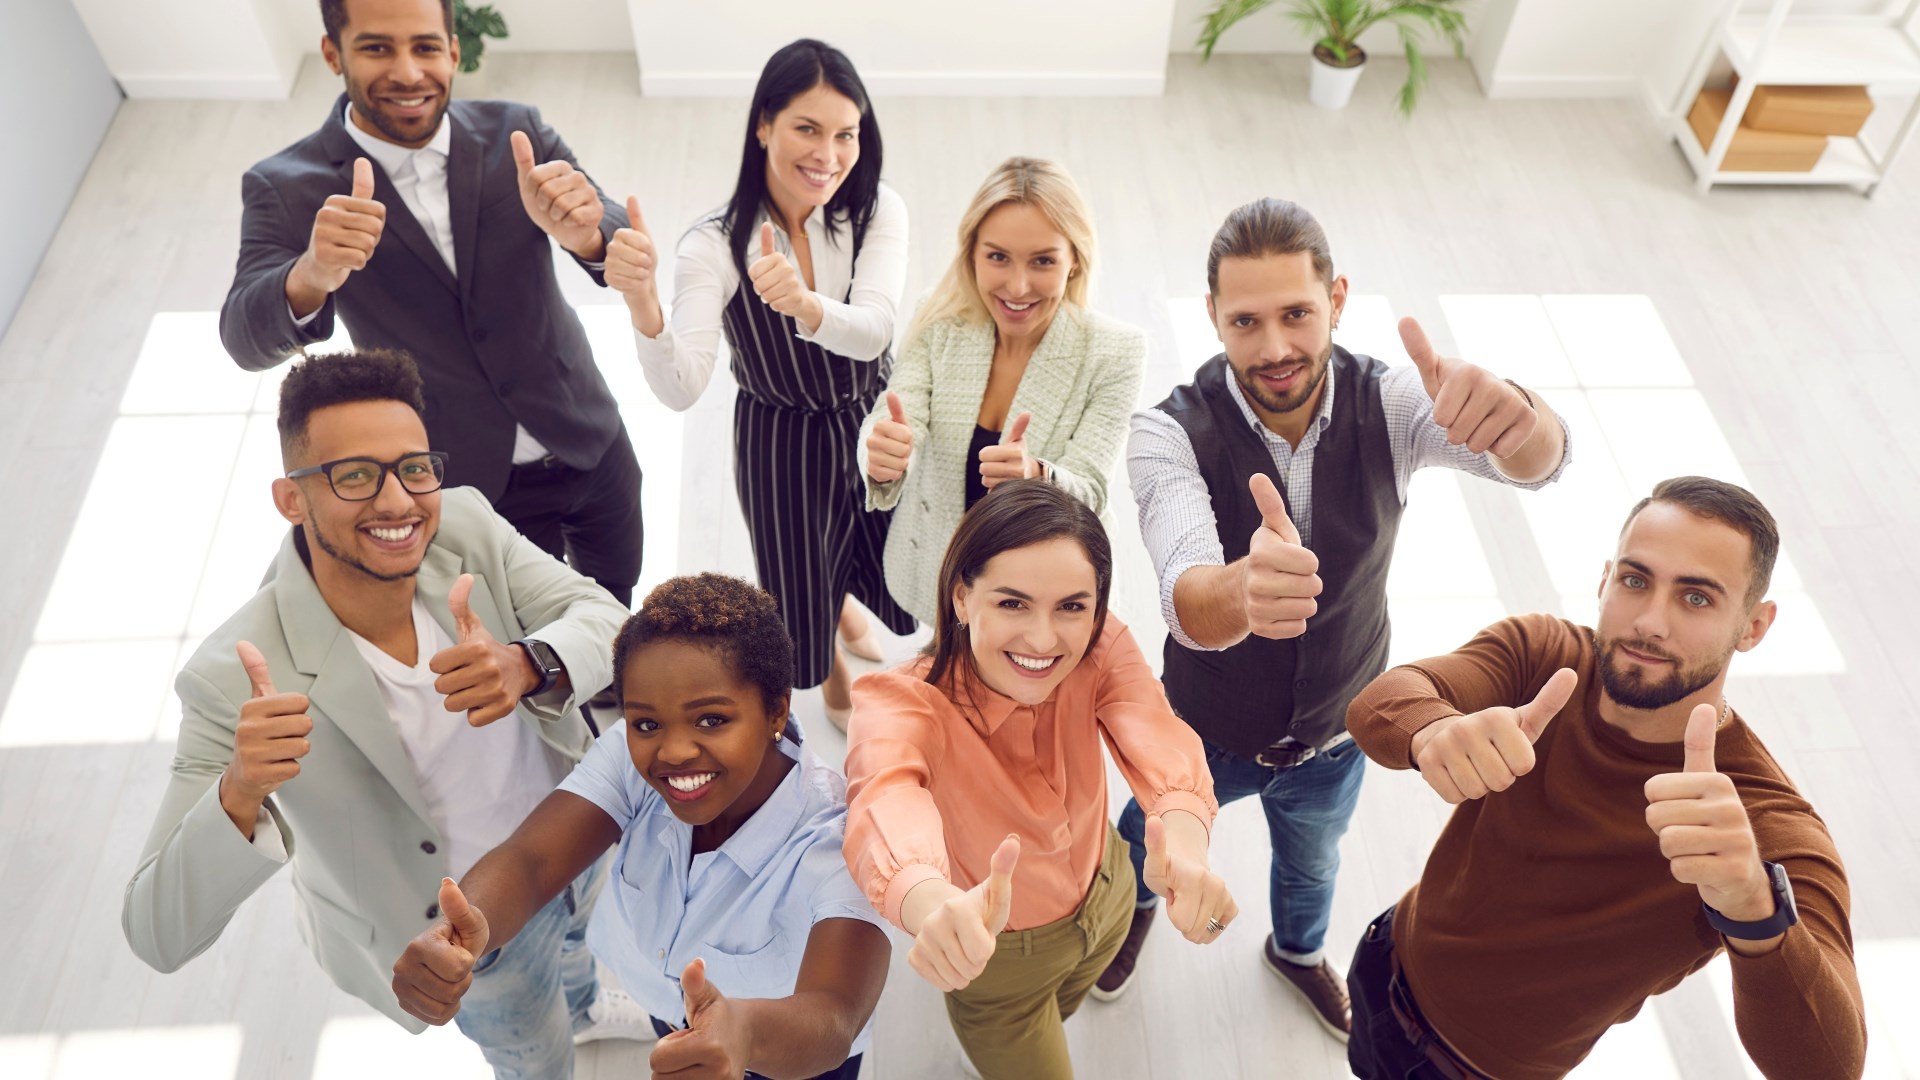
(385, 537)
(1673, 607)
(398, 63)
(1021, 264)
(812, 147)
(1029, 617)
(700, 735)
(1275, 318)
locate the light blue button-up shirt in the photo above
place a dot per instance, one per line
(745, 908)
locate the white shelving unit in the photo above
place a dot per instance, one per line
(1779, 48)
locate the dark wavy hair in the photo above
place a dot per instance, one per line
(793, 71)
(341, 379)
(1016, 514)
(738, 620)
(1730, 505)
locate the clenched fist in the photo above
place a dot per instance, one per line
(1008, 459)
(434, 973)
(631, 263)
(1281, 576)
(1475, 406)
(346, 231)
(890, 443)
(716, 1042)
(954, 941)
(268, 743)
(480, 676)
(778, 284)
(1704, 830)
(1466, 757)
(560, 199)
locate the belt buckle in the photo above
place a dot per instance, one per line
(1286, 757)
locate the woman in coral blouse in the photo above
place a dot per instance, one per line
(977, 797)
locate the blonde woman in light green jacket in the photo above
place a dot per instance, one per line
(1005, 374)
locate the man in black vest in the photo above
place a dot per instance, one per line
(1278, 621)
(423, 224)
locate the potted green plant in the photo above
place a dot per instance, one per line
(473, 26)
(1336, 26)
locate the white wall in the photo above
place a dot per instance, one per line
(565, 25)
(200, 48)
(1269, 31)
(61, 99)
(991, 47)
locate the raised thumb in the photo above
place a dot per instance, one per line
(1273, 508)
(999, 892)
(465, 921)
(457, 603)
(1535, 714)
(1420, 351)
(697, 993)
(1156, 846)
(766, 238)
(1017, 431)
(1701, 728)
(362, 178)
(257, 674)
(522, 153)
(896, 411)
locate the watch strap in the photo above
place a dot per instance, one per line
(545, 661)
(1785, 914)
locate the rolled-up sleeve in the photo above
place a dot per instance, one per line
(895, 836)
(1160, 757)
(1176, 511)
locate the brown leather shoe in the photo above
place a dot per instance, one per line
(1119, 975)
(1325, 990)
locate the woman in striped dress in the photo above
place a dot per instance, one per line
(801, 271)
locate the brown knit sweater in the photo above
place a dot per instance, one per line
(1546, 913)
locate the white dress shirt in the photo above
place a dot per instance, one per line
(420, 177)
(679, 363)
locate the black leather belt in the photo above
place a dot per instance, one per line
(1286, 753)
(1424, 1038)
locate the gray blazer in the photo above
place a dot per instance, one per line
(498, 346)
(366, 862)
(1081, 386)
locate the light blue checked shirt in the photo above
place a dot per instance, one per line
(1176, 515)
(745, 908)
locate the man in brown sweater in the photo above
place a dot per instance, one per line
(1599, 858)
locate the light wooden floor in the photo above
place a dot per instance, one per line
(1764, 335)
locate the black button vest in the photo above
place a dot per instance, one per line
(1258, 692)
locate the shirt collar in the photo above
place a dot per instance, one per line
(393, 158)
(1321, 416)
(765, 834)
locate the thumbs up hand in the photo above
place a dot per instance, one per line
(631, 260)
(1704, 830)
(346, 230)
(1465, 757)
(435, 971)
(560, 200)
(478, 675)
(1198, 903)
(1009, 459)
(268, 743)
(715, 1044)
(954, 941)
(778, 283)
(1281, 577)
(1475, 406)
(890, 443)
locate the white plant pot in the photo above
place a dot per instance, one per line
(1332, 87)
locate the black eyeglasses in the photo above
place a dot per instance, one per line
(359, 479)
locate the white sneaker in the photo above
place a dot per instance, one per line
(614, 1015)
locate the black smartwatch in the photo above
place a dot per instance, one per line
(1785, 914)
(545, 661)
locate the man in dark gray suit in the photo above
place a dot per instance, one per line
(469, 191)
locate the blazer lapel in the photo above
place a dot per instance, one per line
(400, 221)
(342, 690)
(438, 571)
(969, 366)
(1048, 380)
(466, 160)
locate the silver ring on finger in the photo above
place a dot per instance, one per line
(1214, 925)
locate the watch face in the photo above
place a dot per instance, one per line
(1783, 892)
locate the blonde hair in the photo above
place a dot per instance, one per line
(1047, 187)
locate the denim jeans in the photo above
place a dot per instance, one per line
(528, 994)
(1308, 808)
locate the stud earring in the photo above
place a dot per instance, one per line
(776, 736)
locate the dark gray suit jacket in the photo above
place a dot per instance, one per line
(498, 346)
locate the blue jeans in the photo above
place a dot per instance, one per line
(528, 994)
(1308, 808)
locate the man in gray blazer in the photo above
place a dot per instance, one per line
(422, 223)
(322, 724)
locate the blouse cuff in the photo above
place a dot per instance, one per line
(903, 883)
(1189, 801)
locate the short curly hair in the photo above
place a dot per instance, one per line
(341, 379)
(735, 618)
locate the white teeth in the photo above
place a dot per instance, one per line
(690, 783)
(1031, 664)
(1011, 306)
(408, 103)
(816, 177)
(393, 535)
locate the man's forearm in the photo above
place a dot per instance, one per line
(803, 1035)
(1541, 453)
(1210, 602)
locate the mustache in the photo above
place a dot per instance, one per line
(1645, 649)
(1276, 365)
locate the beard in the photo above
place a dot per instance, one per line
(1630, 686)
(344, 559)
(364, 104)
(1285, 403)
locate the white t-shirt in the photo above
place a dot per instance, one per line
(479, 783)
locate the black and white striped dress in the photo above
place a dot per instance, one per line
(796, 429)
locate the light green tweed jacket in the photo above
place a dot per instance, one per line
(1080, 386)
